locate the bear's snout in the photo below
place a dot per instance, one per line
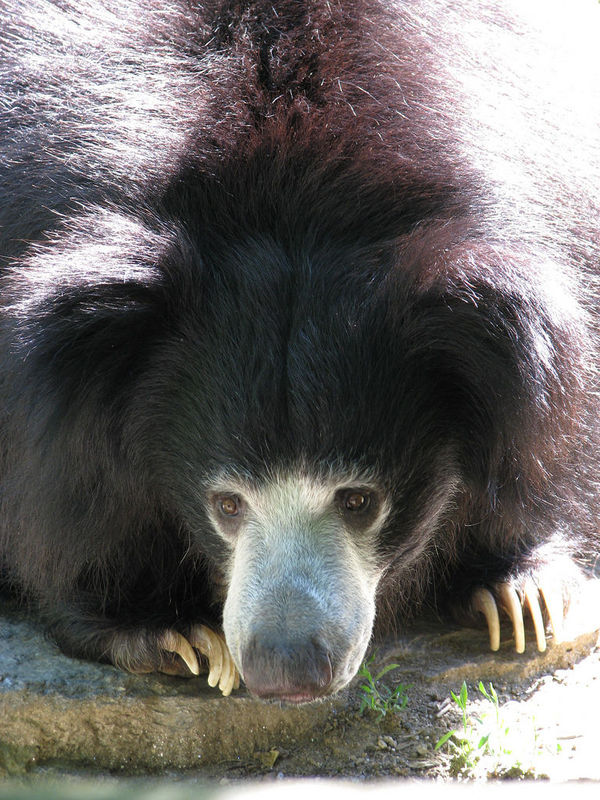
(300, 600)
(286, 668)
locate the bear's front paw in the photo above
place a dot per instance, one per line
(172, 653)
(549, 602)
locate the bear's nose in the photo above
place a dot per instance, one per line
(281, 668)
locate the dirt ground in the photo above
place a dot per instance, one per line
(546, 726)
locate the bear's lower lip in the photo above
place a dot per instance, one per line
(294, 698)
(301, 697)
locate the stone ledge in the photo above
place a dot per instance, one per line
(73, 716)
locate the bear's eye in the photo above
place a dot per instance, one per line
(229, 505)
(355, 500)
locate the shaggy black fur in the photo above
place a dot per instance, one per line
(256, 235)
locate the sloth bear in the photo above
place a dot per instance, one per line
(298, 326)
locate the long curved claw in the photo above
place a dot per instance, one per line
(511, 604)
(532, 598)
(554, 605)
(483, 601)
(208, 643)
(228, 675)
(230, 679)
(222, 670)
(174, 642)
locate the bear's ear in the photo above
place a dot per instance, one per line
(85, 299)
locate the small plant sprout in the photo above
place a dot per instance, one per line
(378, 696)
(480, 735)
(486, 743)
